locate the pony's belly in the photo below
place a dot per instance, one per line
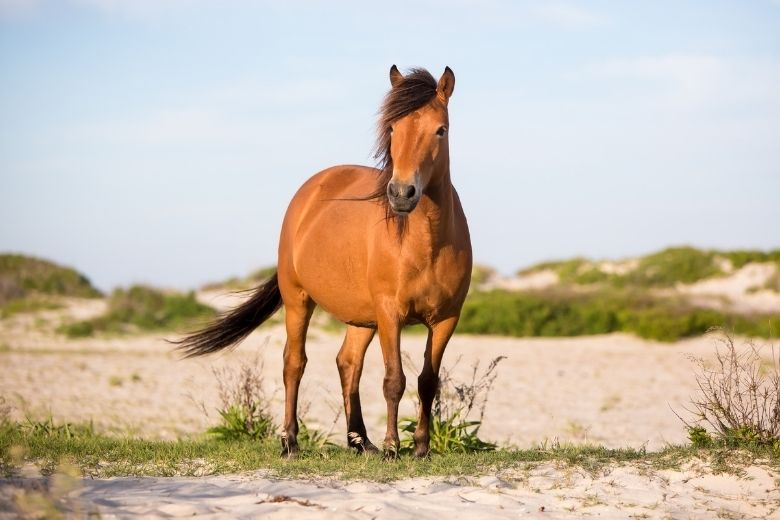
(336, 280)
(343, 300)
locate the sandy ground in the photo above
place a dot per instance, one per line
(615, 390)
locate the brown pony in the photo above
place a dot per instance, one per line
(376, 248)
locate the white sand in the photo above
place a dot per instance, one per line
(536, 491)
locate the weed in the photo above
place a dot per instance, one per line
(451, 427)
(115, 381)
(243, 421)
(244, 410)
(739, 398)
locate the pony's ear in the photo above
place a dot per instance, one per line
(446, 84)
(395, 76)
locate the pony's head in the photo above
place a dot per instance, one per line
(412, 143)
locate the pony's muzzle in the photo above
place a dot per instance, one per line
(403, 197)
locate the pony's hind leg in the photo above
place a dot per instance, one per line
(428, 382)
(350, 362)
(297, 316)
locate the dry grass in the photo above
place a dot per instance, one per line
(739, 396)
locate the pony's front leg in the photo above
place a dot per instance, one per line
(395, 380)
(428, 383)
(297, 322)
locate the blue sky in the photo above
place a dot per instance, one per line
(160, 141)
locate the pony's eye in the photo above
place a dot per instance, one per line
(441, 131)
(390, 130)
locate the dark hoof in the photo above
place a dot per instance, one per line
(422, 453)
(390, 453)
(289, 449)
(361, 443)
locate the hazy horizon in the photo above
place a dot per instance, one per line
(160, 142)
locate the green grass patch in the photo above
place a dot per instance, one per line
(569, 313)
(142, 308)
(102, 456)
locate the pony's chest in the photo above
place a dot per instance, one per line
(436, 288)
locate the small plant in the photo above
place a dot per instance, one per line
(451, 427)
(739, 398)
(244, 412)
(313, 439)
(49, 428)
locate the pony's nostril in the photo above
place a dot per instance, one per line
(392, 190)
(401, 191)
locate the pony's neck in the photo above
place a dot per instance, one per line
(439, 209)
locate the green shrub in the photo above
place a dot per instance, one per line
(662, 269)
(673, 265)
(740, 258)
(571, 313)
(21, 275)
(142, 308)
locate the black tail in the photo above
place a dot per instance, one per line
(232, 327)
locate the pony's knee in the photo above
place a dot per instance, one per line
(344, 362)
(394, 384)
(294, 365)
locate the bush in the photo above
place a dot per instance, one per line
(142, 308)
(740, 258)
(739, 400)
(21, 275)
(671, 266)
(571, 313)
(662, 269)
